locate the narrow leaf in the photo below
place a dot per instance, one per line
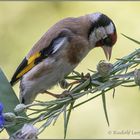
(134, 85)
(114, 92)
(104, 106)
(92, 71)
(65, 122)
(131, 39)
(67, 119)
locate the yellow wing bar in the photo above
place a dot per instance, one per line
(30, 64)
(26, 69)
(33, 57)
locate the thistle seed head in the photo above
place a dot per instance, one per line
(104, 68)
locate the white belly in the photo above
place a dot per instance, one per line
(53, 72)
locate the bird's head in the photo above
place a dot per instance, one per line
(102, 33)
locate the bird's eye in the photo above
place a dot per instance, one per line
(107, 41)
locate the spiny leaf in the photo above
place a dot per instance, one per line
(134, 85)
(114, 92)
(65, 122)
(129, 60)
(92, 71)
(131, 39)
(67, 119)
(104, 106)
(76, 73)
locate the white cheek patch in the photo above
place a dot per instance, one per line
(100, 33)
(93, 39)
(109, 29)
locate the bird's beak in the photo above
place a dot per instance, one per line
(107, 51)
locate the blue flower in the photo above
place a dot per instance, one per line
(1, 121)
(1, 108)
(1, 116)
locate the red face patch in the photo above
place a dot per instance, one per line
(108, 41)
(113, 38)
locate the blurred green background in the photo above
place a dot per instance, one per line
(23, 23)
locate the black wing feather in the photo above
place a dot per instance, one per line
(44, 53)
(18, 70)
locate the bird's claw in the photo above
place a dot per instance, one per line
(64, 84)
(66, 94)
(62, 95)
(85, 77)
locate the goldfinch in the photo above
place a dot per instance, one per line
(60, 50)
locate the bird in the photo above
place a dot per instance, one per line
(60, 50)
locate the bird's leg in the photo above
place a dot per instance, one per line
(65, 94)
(64, 84)
(50, 93)
(62, 95)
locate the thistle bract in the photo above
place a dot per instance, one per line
(9, 117)
(137, 76)
(20, 108)
(28, 131)
(104, 68)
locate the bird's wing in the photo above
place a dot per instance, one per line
(36, 57)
